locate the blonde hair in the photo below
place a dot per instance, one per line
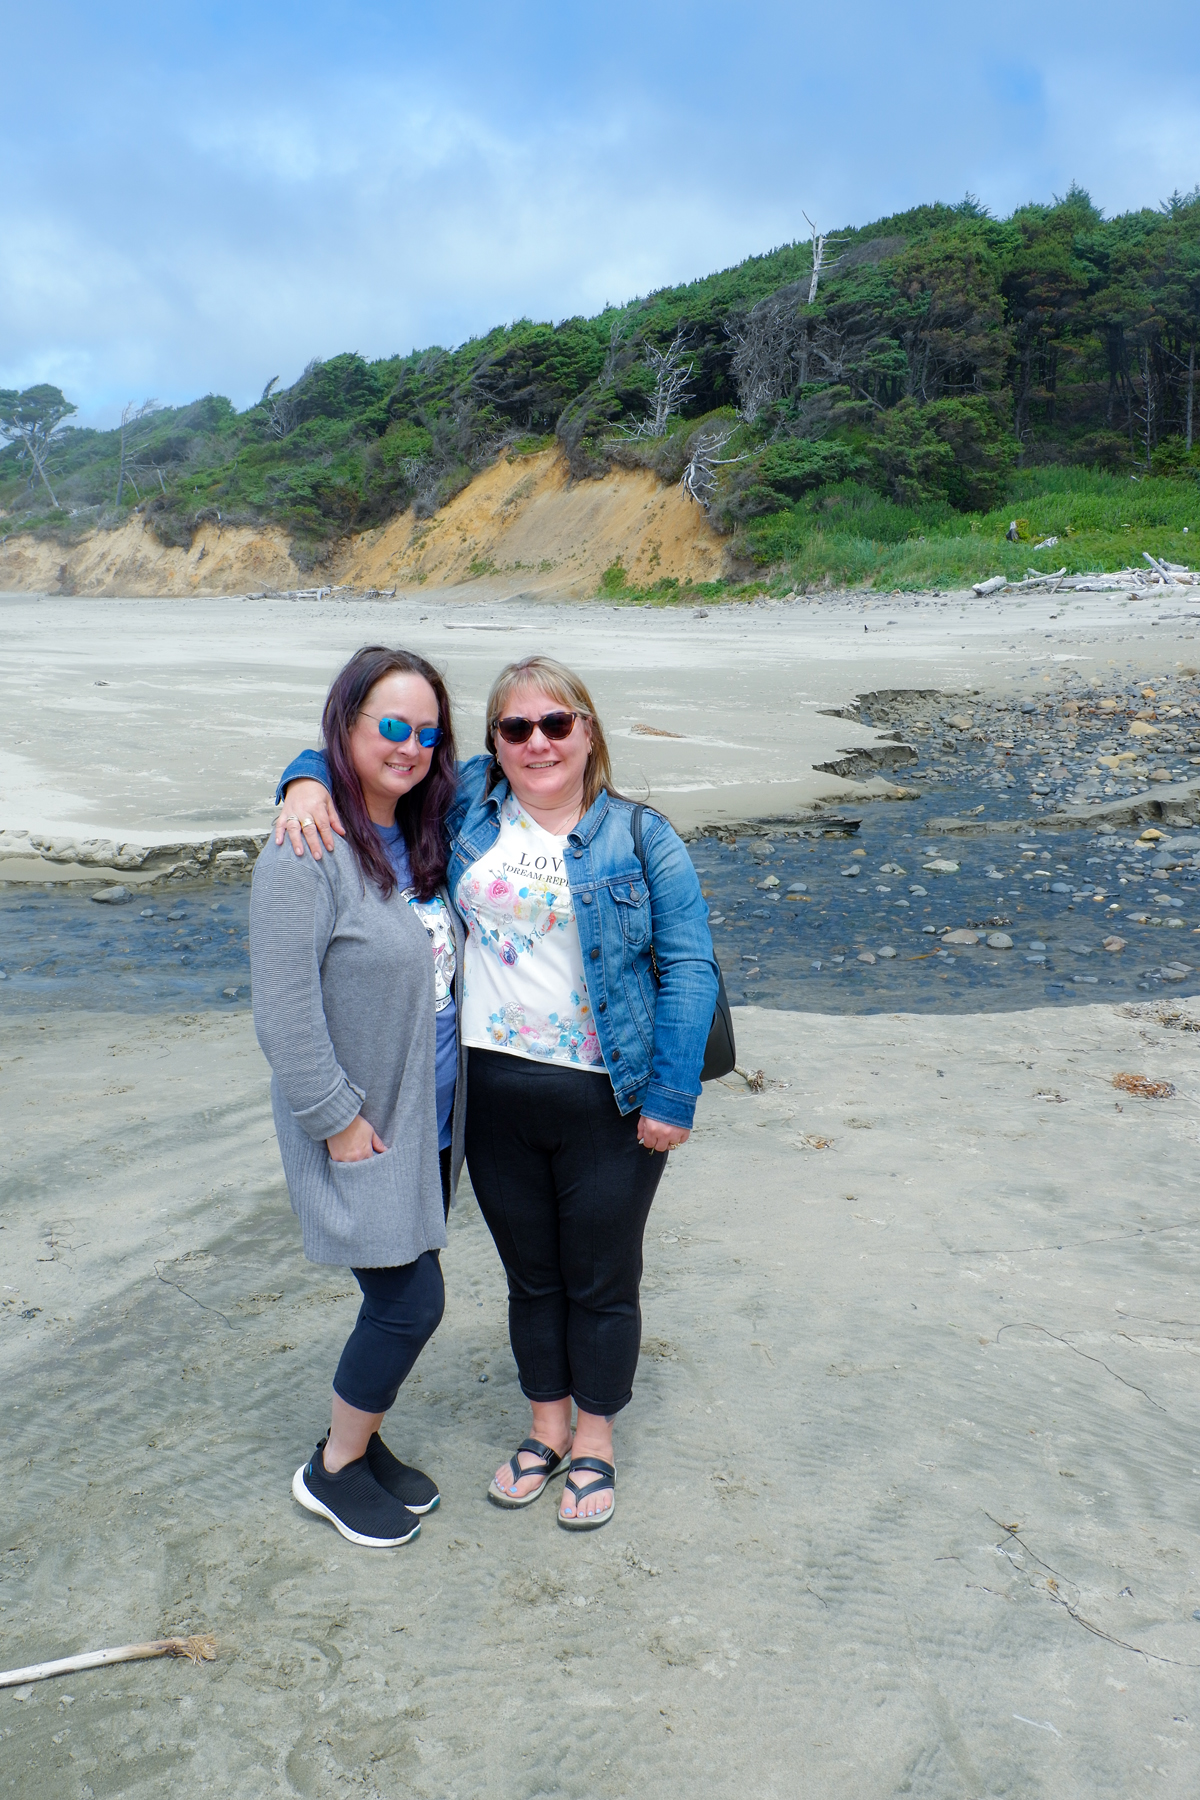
(563, 685)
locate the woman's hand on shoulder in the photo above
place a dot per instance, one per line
(654, 1135)
(308, 816)
(358, 1142)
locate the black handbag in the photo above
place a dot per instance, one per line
(720, 1052)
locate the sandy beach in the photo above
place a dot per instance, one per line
(907, 1494)
(164, 721)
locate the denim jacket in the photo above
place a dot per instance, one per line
(652, 1032)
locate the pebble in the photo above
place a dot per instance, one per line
(113, 896)
(866, 956)
(887, 953)
(797, 887)
(999, 940)
(772, 881)
(920, 892)
(941, 865)
(852, 872)
(1036, 944)
(1060, 887)
(1114, 944)
(960, 937)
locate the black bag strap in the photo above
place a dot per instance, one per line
(635, 826)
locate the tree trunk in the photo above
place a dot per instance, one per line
(41, 469)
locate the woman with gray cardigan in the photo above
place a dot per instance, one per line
(367, 1086)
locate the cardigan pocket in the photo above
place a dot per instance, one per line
(365, 1200)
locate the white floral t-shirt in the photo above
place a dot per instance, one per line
(523, 984)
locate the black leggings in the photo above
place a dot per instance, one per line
(565, 1189)
(400, 1311)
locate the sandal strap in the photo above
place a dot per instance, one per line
(596, 1466)
(548, 1458)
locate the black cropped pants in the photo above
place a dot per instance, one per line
(565, 1189)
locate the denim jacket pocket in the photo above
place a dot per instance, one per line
(632, 899)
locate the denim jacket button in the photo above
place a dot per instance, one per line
(602, 1006)
(594, 952)
(616, 1056)
(587, 899)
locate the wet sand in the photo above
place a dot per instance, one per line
(155, 721)
(906, 1497)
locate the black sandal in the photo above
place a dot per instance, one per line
(608, 1484)
(551, 1464)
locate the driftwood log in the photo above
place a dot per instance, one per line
(194, 1649)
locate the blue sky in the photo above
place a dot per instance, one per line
(196, 198)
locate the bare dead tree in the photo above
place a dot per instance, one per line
(820, 243)
(671, 376)
(611, 367)
(131, 415)
(699, 479)
(283, 413)
(1145, 412)
(771, 353)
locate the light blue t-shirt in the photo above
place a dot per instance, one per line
(434, 916)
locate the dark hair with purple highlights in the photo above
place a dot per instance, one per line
(421, 813)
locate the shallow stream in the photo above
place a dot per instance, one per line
(808, 916)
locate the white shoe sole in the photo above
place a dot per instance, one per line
(429, 1506)
(311, 1504)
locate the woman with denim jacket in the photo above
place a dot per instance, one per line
(584, 1051)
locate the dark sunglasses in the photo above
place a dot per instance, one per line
(555, 726)
(398, 731)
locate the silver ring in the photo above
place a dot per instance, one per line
(289, 819)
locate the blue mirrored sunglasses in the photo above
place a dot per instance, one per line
(398, 731)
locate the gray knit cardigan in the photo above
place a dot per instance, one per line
(343, 992)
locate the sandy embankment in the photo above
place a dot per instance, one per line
(523, 524)
(906, 1494)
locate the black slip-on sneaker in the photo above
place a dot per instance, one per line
(416, 1490)
(353, 1500)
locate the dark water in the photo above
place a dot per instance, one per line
(1057, 895)
(181, 951)
(803, 951)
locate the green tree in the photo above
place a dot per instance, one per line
(955, 450)
(31, 419)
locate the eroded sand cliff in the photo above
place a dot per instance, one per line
(524, 521)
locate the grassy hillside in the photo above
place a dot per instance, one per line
(952, 373)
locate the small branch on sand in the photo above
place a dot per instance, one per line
(756, 1082)
(195, 1649)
